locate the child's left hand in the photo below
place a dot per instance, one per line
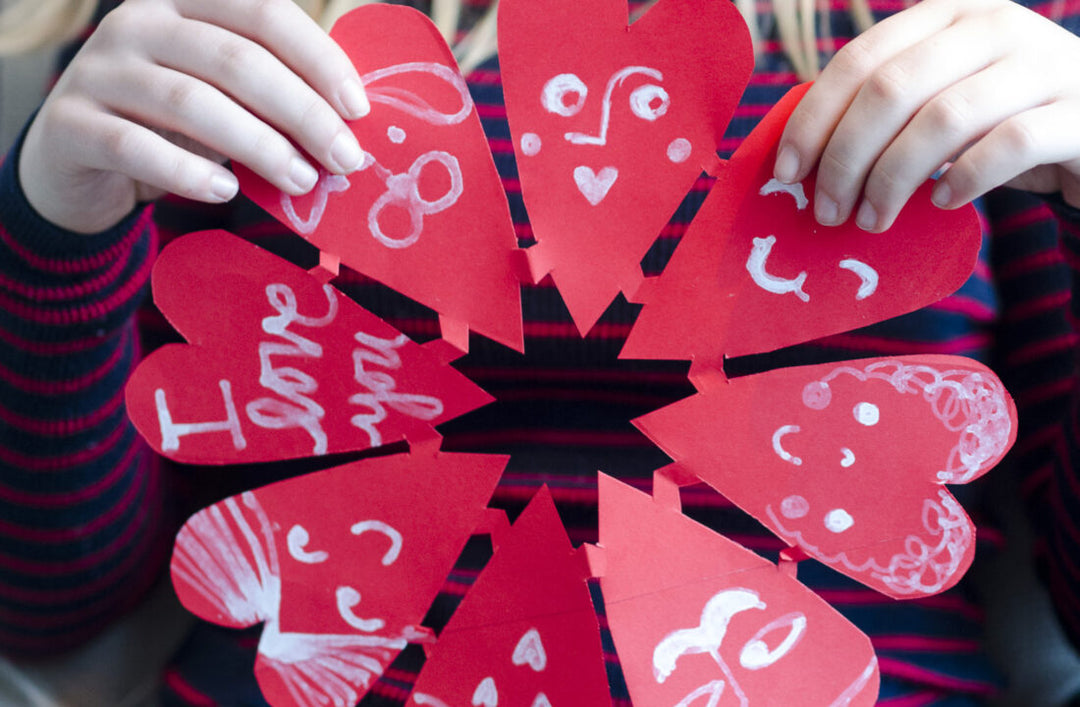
(987, 83)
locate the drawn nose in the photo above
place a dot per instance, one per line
(594, 186)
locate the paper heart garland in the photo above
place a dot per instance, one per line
(612, 125)
(699, 620)
(426, 213)
(755, 272)
(283, 367)
(341, 566)
(848, 460)
(526, 633)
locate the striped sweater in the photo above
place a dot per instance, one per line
(87, 512)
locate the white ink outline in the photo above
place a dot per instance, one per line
(605, 115)
(777, 438)
(756, 263)
(296, 540)
(593, 186)
(868, 277)
(775, 186)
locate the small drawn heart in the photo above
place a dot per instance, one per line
(541, 700)
(530, 650)
(486, 695)
(593, 186)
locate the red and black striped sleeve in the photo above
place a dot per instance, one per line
(80, 495)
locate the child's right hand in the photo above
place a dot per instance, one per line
(165, 88)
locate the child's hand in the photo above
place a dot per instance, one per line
(987, 80)
(164, 88)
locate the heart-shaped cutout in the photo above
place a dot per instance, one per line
(341, 565)
(719, 622)
(754, 255)
(646, 103)
(285, 367)
(850, 459)
(426, 213)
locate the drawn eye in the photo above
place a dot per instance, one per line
(564, 95)
(649, 102)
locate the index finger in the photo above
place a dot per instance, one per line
(285, 30)
(814, 120)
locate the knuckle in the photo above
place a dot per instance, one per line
(1018, 138)
(949, 113)
(852, 60)
(888, 84)
(234, 59)
(121, 146)
(180, 95)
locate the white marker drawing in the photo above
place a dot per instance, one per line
(641, 106)
(531, 144)
(395, 134)
(530, 651)
(838, 520)
(777, 439)
(381, 386)
(171, 431)
(486, 694)
(327, 184)
(554, 93)
(866, 414)
(713, 690)
(966, 402)
(594, 187)
(756, 264)
(925, 565)
(403, 191)
(775, 186)
(377, 526)
(541, 700)
(848, 457)
(408, 102)
(347, 600)
(707, 636)
(794, 506)
(867, 275)
(756, 654)
(234, 568)
(855, 688)
(424, 699)
(678, 150)
(297, 541)
(290, 383)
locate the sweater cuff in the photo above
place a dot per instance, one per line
(46, 246)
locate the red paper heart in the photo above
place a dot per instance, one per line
(341, 565)
(755, 272)
(612, 125)
(281, 366)
(848, 460)
(699, 620)
(426, 213)
(526, 633)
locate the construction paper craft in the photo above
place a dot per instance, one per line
(340, 565)
(526, 633)
(755, 272)
(848, 461)
(426, 213)
(612, 125)
(280, 364)
(699, 621)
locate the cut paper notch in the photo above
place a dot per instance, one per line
(612, 125)
(699, 620)
(526, 633)
(426, 213)
(340, 565)
(754, 255)
(279, 364)
(849, 460)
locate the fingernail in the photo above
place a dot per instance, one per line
(867, 218)
(825, 210)
(345, 152)
(787, 165)
(354, 100)
(223, 188)
(302, 175)
(942, 195)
